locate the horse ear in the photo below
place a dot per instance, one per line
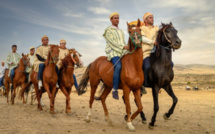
(128, 25)
(138, 23)
(170, 23)
(22, 55)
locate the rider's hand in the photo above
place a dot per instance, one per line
(126, 47)
(156, 43)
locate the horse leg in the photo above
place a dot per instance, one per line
(155, 91)
(138, 103)
(126, 92)
(7, 91)
(94, 84)
(52, 109)
(170, 92)
(13, 95)
(63, 89)
(46, 86)
(37, 91)
(103, 98)
(32, 94)
(26, 94)
(142, 115)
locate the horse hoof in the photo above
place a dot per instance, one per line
(126, 118)
(25, 105)
(110, 123)
(144, 121)
(68, 113)
(52, 113)
(165, 117)
(130, 127)
(88, 119)
(151, 127)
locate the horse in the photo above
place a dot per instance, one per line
(50, 79)
(66, 75)
(18, 80)
(131, 76)
(161, 72)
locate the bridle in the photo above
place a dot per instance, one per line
(169, 41)
(132, 40)
(54, 59)
(25, 65)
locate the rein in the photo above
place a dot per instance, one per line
(25, 64)
(167, 47)
(54, 59)
(132, 40)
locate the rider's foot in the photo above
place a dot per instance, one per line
(115, 94)
(57, 85)
(40, 84)
(143, 90)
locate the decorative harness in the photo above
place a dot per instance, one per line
(167, 47)
(25, 65)
(132, 40)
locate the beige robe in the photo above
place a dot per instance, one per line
(43, 51)
(151, 34)
(62, 55)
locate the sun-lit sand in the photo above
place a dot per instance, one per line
(194, 113)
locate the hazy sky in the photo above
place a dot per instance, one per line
(82, 23)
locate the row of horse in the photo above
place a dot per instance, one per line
(160, 74)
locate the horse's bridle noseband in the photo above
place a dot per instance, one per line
(132, 40)
(167, 47)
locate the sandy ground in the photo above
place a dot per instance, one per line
(194, 113)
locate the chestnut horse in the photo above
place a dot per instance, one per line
(66, 75)
(50, 79)
(131, 76)
(18, 80)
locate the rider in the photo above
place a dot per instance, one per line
(12, 61)
(149, 34)
(63, 52)
(115, 40)
(2, 71)
(31, 58)
(39, 66)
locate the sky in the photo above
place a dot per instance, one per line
(82, 23)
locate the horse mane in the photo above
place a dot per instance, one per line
(65, 61)
(159, 37)
(52, 46)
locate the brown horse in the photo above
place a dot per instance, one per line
(50, 79)
(66, 75)
(131, 76)
(19, 78)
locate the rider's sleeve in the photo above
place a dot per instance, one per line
(8, 59)
(37, 52)
(113, 44)
(18, 58)
(147, 41)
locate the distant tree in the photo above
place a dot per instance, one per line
(188, 83)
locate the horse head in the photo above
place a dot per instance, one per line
(75, 55)
(135, 34)
(25, 61)
(54, 54)
(168, 36)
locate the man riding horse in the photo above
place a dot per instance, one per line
(149, 34)
(39, 66)
(12, 61)
(63, 53)
(115, 40)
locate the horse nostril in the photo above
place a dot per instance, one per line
(178, 41)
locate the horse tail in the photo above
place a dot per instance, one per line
(84, 81)
(24, 89)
